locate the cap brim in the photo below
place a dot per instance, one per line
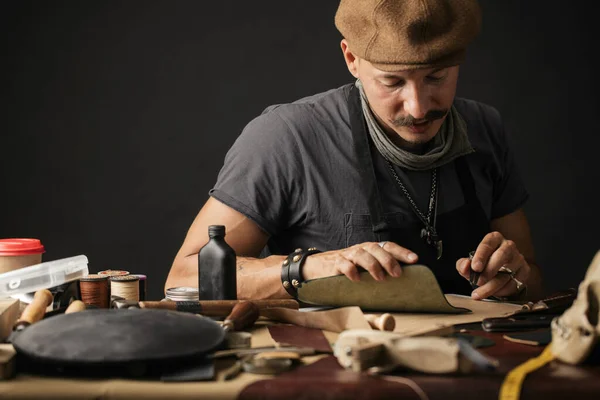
(443, 62)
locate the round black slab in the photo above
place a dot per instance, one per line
(119, 335)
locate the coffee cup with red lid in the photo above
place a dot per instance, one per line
(16, 253)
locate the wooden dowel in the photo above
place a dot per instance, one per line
(215, 308)
(75, 306)
(243, 315)
(383, 322)
(35, 310)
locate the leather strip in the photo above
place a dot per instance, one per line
(295, 267)
(285, 277)
(325, 379)
(334, 320)
(300, 337)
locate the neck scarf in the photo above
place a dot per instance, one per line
(450, 142)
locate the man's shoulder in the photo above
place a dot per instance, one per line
(484, 122)
(473, 109)
(321, 114)
(485, 128)
(324, 105)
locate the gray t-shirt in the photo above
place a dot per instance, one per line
(294, 172)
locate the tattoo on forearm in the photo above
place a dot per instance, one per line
(240, 263)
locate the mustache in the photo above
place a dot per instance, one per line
(409, 120)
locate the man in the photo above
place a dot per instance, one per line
(390, 170)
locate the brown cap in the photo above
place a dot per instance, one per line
(396, 35)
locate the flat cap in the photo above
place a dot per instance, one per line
(409, 34)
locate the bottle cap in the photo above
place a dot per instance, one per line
(20, 247)
(216, 230)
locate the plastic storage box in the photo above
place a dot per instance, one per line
(43, 276)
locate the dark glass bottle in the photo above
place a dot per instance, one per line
(216, 267)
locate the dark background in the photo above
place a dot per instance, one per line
(117, 115)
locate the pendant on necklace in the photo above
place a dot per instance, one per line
(432, 240)
(438, 245)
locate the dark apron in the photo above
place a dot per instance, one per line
(461, 230)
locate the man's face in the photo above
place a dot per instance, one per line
(410, 105)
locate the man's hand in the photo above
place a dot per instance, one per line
(378, 260)
(494, 252)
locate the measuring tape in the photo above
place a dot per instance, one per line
(511, 387)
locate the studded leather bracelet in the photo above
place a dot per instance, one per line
(291, 270)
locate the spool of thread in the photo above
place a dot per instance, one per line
(95, 290)
(142, 285)
(113, 272)
(125, 286)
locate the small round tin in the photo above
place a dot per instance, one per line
(183, 293)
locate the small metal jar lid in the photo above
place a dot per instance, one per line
(182, 293)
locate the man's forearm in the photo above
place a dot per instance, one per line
(257, 278)
(260, 278)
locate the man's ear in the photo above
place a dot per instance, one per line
(350, 58)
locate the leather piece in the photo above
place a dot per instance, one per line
(360, 350)
(424, 323)
(417, 290)
(323, 380)
(554, 381)
(300, 337)
(534, 338)
(335, 320)
(517, 322)
(556, 303)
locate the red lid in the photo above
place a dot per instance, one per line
(20, 247)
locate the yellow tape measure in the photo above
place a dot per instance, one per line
(511, 387)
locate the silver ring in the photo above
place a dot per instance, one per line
(508, 271)
(520, 285)
(381, 244)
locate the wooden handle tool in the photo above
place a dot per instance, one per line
(75, 306)
(362, 350)
(35, 310)
(243, 315)
(215, 308)
(383, 322)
